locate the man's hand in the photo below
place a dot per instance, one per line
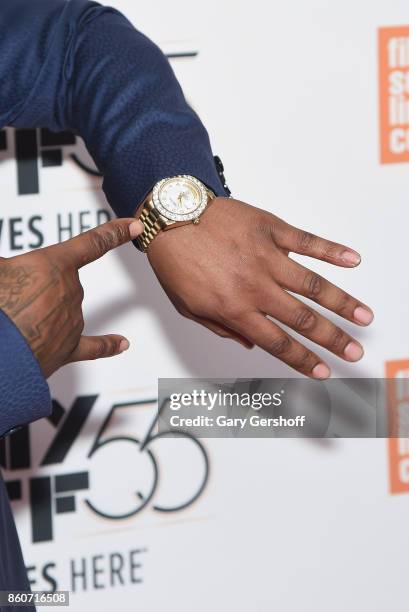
(42, 294)
(232, 271)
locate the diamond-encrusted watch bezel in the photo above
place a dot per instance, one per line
(174, 216)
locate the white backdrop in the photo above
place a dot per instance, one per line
(289, 92)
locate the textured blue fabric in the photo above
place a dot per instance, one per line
(75, 65)
(85, 68)
(24, 397)
(24, 394)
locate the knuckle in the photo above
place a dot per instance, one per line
(120, 233)
(312, 285)
(337, 340)
(343, 304)
(307, 361)
(230, 310)
(233, 313)
(98, 243)
(100, 348)
(330, 250)
(264, 227)
(111, 348)
(304, 240)
(303, 319)
(280, 345)
(103, 240)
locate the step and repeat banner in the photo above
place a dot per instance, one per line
(308, 106)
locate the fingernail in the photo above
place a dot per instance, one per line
(124, 346)
(135, 229)
(321, 371)
(363, 315)
(351, 258)
(353, 351)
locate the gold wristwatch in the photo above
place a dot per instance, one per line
(173, 202)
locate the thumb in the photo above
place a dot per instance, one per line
(92, 245)
(98, 347)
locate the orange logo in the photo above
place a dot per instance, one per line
(394, 94)
(397, 373)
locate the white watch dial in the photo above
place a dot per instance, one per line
(180, 198)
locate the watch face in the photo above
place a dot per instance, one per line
(180, 198)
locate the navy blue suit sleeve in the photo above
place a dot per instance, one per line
(24, 394)
(76, 65)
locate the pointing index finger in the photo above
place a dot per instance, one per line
(95, 243)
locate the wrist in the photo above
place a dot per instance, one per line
(174, 201)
